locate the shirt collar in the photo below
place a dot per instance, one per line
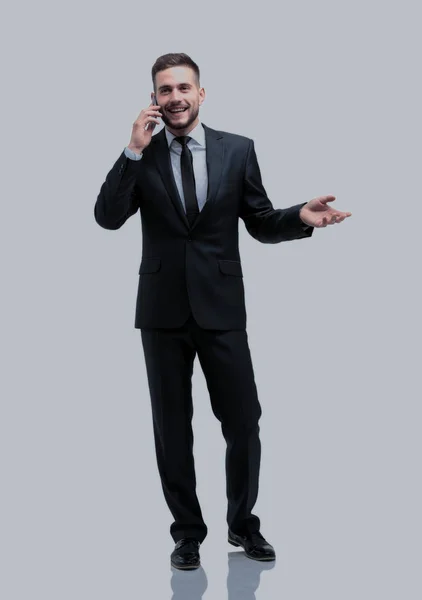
(197, 134)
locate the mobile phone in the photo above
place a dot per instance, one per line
(154, 101)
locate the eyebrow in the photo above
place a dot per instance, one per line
(162, 87)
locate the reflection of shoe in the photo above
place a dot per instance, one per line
(191, 585)
(186, 554)
(254, 545)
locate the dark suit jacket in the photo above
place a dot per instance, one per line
(194, 269)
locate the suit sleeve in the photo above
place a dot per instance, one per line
(265, 223)
(119, 197)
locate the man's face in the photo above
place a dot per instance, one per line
(177, 88)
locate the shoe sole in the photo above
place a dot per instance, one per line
(187, 568)
(233, 543)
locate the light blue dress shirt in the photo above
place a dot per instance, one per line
(197, 146)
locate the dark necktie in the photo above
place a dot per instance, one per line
(188, 179)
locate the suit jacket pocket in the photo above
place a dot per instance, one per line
(231, 267)
(149, 265)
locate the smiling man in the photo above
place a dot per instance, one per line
(192, 184)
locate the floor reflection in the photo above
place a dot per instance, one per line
(243, 579)
(188, 585)
(244, 575)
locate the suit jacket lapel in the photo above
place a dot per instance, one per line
(214, 159)
(215, 156)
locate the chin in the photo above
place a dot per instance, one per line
(181, 124)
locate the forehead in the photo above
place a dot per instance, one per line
(175, 76)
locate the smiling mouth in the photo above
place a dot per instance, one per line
(178, 111)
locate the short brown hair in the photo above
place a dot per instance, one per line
(166, 61)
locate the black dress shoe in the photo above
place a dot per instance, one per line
(254, 545)
(186, 554)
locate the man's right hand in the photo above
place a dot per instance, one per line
(141, 137)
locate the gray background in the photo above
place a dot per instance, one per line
(330, 92)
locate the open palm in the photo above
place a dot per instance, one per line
(317, 214)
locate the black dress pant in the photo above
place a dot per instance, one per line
(226, 363)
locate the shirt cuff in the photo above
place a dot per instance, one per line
(131, 154)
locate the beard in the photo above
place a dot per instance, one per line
(181, 122)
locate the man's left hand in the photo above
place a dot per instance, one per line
(316, 213)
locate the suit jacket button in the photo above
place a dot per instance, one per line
(189, 239)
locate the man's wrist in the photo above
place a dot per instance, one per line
(301, 218)
(135, 149)
(305, 226)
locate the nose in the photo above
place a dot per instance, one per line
(175, 97)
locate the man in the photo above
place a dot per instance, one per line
(191, 184)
